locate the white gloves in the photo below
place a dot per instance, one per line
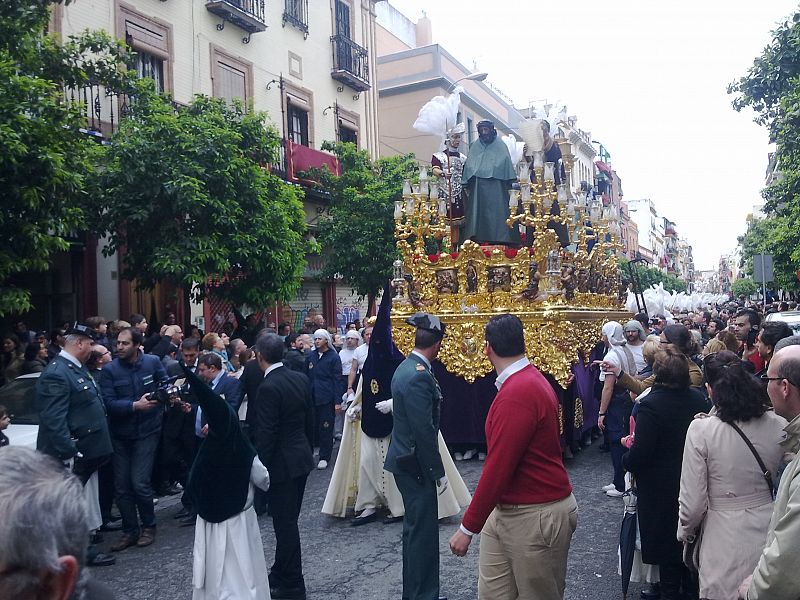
(348, 398)
(354, 412)
(442, 485)
(385, 406)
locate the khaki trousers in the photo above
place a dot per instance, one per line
(523, 552)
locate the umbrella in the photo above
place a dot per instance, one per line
(627, 538)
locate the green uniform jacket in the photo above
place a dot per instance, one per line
(417, 402)
(72, 417)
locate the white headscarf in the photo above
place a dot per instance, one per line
(613, 332)
(322, 333)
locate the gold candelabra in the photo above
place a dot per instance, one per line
(421, 214)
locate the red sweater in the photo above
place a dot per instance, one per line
(523, 462)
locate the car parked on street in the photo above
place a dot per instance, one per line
(790, 317)
(19, 397)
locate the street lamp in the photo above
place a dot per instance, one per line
(478, 76)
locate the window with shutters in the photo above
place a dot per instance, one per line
(231, 77)
(151, 40)
(298, 124)
(299, 114)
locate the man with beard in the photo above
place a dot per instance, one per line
(488, 175)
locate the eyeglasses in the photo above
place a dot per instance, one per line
(765, 377)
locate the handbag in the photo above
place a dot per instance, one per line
(691, 547)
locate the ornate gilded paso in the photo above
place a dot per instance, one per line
(562, 295)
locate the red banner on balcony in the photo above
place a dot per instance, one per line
(604, 168)
(302, 158)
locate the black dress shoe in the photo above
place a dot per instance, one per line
(390, 519)
(287, 593)
(111, 526)
(364, 520)
(188, 521)
(101, 560)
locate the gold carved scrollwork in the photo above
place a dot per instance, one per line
(578, 413)
(553, 340)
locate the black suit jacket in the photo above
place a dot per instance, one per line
(251, 379)
(284, 425)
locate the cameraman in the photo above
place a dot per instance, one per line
(135, 425)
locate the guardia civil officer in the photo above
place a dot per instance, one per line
(413, 457)
(72, 417)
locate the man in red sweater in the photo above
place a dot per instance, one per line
(523, 504)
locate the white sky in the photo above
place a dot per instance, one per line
(648, 79)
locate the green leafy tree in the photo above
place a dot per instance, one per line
(776, 235)
(360, 234)
(186, 196)
(46, 164)
(744, 286)
(649, 276)
(771, 88)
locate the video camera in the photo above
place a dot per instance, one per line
(169, 389)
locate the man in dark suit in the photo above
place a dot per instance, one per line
(283, 431)
(211, 370)
(178, 439)
(72, 417)
(414, 458)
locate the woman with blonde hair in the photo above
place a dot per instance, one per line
(213, 342)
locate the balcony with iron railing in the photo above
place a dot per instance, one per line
(249, 15)
(295, 13)
(102, 107)
(350, 63)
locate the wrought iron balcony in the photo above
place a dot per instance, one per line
(102, 107)
(295, 12)
(350, 63)
(249, 15)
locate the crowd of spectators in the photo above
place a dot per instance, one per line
(702, 436)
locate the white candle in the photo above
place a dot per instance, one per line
(549, 174)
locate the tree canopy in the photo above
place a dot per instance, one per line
(46, 165)
(360, 233)
(744, 286)
(771, 88)
(185, 194)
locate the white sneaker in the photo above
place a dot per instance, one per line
(481, 455)
(323, 464)
(615, 493)
(458, 456)
(610, 486)
(469, 454)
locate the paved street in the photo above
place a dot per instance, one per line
(347, 563)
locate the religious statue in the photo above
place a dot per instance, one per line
(413, 292)
(488, 175)
(471, 275)
(448, 166)
(532, 291)
(568, 281)
(583, 280)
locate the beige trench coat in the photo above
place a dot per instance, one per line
(721, 480)
(777, 576)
